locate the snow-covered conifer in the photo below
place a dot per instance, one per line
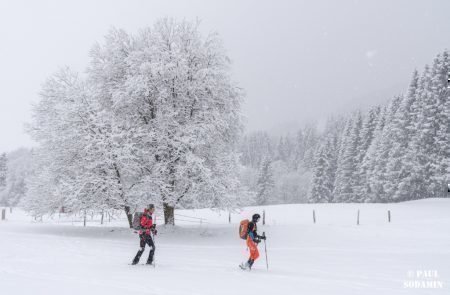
(265, 184)
(320, 189)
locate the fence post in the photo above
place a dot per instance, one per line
(314, 216)
(10, 209)
(357, 219)
(229, 217)
(264, 217)
(3, 214)
(389, 215)
(101, 221)
(84, 219)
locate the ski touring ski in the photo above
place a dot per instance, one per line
(244, 266)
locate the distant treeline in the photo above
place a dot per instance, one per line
(390, 153)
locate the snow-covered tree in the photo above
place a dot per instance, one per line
(285, 149)
(265, 184)
(19, 169)
(3, 173)
(320, 189)
(254, 147)
(366, 137)
(377, 174)
(305, 146)
(346, 174)
(156, 119)
(441, 94)
(400, 164)
(83, 161)
(180, 102)
(422, 149)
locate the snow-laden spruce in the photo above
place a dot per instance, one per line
(155, 119)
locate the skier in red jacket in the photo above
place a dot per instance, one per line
(147, 227)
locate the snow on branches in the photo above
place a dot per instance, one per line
(155, 119)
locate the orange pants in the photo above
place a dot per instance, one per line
(253, 247)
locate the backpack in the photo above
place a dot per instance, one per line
(137, 220)
(243, 229)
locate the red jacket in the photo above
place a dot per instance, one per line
(146, 222)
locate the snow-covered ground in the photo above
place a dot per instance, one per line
(333, 256)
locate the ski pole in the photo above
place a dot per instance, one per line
(265, 250)
(154, 246)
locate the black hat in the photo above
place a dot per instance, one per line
(150, 206)
(256, 217)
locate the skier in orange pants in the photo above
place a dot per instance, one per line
(253, 248)
(253, 239)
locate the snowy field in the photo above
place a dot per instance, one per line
(332, 256)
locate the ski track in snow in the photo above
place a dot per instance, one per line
(333, 256)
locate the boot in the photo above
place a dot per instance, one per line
(247, 265)
(150, 256)
(150, 260)
(250, 263)
(137, 257)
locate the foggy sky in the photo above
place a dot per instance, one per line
(297, 60)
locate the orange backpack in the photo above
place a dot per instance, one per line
(243, 229)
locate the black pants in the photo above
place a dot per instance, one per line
(145, 239)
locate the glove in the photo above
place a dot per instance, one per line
(155, 232)
(262, 237)
(153, 226)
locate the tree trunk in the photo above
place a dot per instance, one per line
(84, 219)
(129, 216)
(169, 217)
